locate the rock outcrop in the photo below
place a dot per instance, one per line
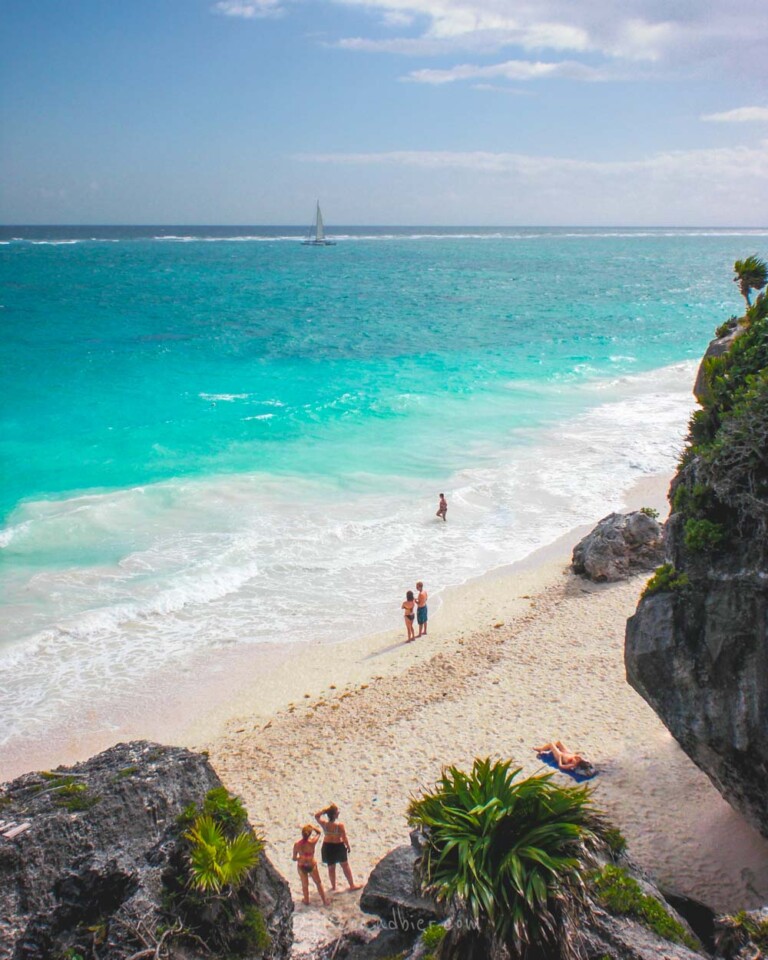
(620, 545)
(393, 894)
(99, 870)
(697, 647)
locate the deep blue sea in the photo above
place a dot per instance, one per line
(217, 435)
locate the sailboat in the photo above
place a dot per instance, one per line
(319, 239)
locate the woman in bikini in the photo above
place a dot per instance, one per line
(335, 845)
(408, 606)
(563, 757)
(304, 855)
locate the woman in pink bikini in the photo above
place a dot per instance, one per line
(408, 606)
(304, 856)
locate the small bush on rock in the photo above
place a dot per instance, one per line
(622, 895)
(701, 536)
(665, 579)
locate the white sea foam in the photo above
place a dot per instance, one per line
(255, 558)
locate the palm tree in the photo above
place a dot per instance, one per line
(751, 274)
(508, 856)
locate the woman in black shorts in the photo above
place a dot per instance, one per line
(335, 845)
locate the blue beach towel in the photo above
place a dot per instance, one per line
(578, 777)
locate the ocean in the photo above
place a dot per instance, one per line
(216, 436)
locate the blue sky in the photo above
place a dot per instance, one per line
(460, 112)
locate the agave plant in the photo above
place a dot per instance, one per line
(508, 854)
(751, 274)
(216, 861)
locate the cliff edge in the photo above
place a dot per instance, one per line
(697, 647)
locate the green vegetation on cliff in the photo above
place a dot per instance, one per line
(722, 489)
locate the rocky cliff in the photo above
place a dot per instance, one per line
(96, 864)
(697, 647)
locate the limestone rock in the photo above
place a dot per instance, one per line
(94, 873)
(620, 545)
(699, 656)
(717, 348)
(392, 894)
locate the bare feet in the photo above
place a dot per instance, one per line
(305, 901)
(355, 886)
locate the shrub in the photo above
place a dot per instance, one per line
(225, 808)
(431, 939)
(650, 512)
(736, 464)
(216, 861)
(622, 895)
(665, 579)
(509, 853)
(701, 536)
(725, 328)
(697, 500)
(256, 935)
(734, 932)
(617, 842)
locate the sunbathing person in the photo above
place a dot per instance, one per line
(304, 855)
(563, 757)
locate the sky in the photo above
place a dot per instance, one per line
(408, 112)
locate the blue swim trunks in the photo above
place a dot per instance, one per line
(421, 614)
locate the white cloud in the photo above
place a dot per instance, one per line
(396, 18)
(510, 70)
(739, 115)
(704, 187)
(720, 165)
(689, 33)
(249, 9)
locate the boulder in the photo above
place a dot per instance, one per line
(620, 545)
(392, 892)
(99, 869)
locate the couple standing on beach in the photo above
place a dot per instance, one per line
(419, 604)
(333, 851)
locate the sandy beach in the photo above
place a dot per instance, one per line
(521, 655)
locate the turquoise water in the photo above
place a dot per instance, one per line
(195, 419)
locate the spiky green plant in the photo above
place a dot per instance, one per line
(216, 861)
(751, 274)
(508, 854)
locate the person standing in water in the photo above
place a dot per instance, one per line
(335, 845)
(304, 856)
(421, 609)
(442, 507)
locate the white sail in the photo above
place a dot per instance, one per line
(319, 239)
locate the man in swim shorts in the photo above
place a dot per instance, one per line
(421, 608)
(442, 507)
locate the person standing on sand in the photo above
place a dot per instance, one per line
(421, 609)
(442, 507)
(304, 856)
(335, 845)
(408, 606)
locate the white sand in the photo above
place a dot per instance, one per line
(513, 658)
